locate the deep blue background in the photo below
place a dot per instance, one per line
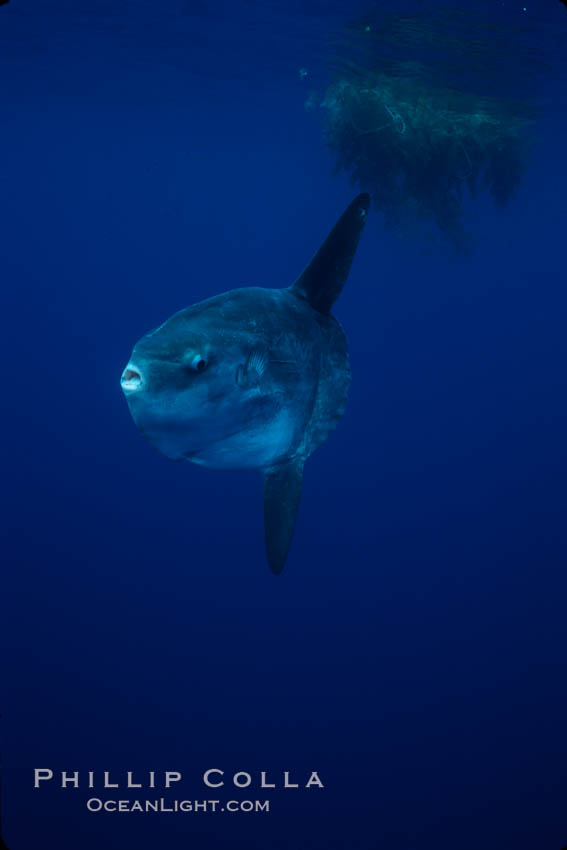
(414, 650)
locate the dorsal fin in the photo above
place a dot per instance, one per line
(326, 274)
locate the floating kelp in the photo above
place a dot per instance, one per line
(415, 134)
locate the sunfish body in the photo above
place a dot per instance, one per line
(252, 378)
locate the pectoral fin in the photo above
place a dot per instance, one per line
(282, 492)
(250, 373)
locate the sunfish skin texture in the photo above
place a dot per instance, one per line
(252, 378)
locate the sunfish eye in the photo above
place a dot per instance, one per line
(198, 363)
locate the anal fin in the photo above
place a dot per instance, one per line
(282, 492)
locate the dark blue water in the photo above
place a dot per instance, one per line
(414, 650)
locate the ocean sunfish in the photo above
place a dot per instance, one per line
(253, 378)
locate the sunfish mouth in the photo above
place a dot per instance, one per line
(131, 379)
